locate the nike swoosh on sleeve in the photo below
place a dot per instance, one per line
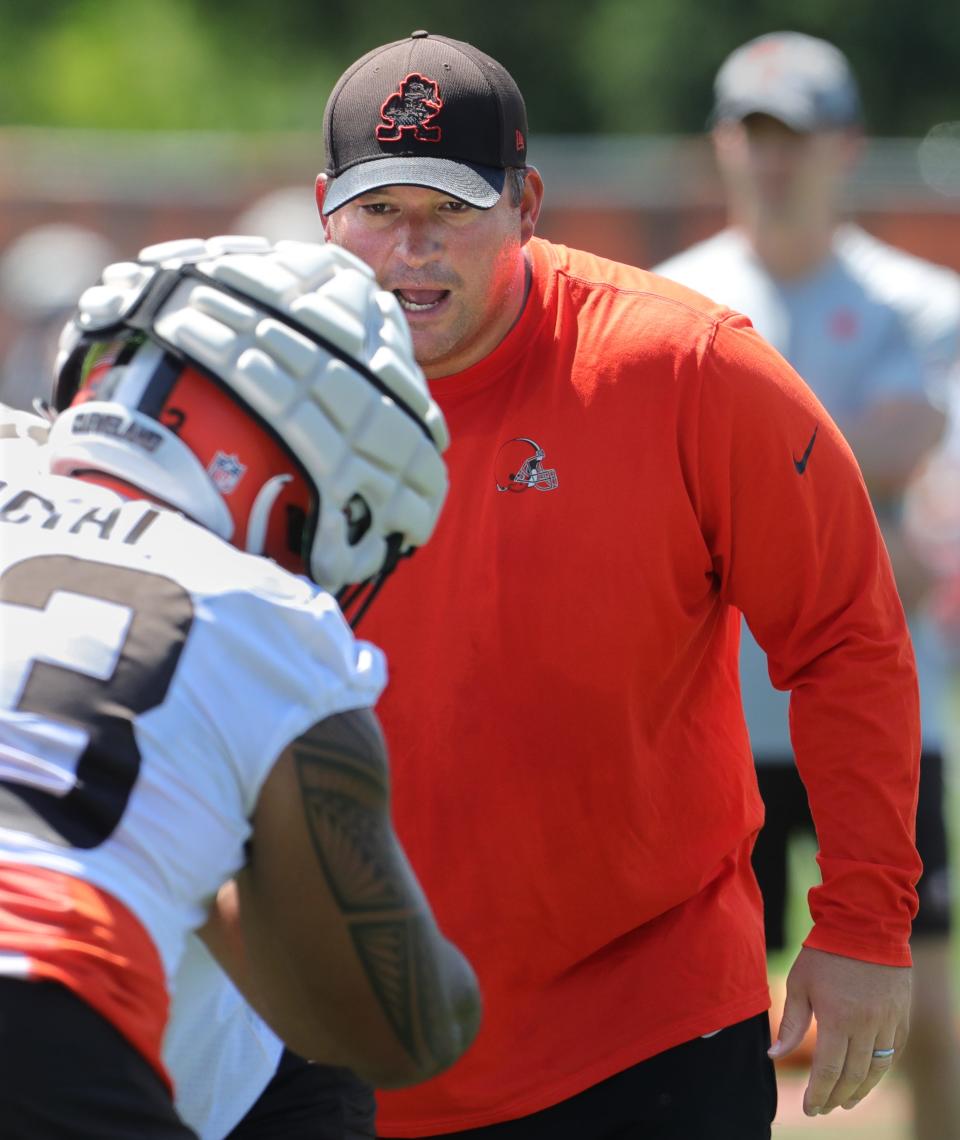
(801, 463)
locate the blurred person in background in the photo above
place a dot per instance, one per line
(876, 333)
(288, 212)
(932, 527)
(574, 775)
(42, 274)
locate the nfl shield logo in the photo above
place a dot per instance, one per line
(226, 471)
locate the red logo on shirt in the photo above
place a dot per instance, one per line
(411, 109)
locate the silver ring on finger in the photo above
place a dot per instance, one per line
(883, 1054)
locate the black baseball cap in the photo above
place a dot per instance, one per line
(803, 81)
(424, 111)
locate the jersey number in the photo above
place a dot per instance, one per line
(137, 659)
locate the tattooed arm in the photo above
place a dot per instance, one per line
(339, 951)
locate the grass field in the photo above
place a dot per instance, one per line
(885, 1114)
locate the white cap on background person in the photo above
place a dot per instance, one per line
(45, 269)
(804, 82)
(287, 213)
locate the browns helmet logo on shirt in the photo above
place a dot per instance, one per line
(411, 109)
(519, 467)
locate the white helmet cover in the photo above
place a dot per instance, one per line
(301, 335)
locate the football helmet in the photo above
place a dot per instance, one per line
(519, 467)
(269, 392)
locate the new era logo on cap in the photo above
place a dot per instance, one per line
(424, 111)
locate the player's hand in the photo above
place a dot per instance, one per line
(860, 1007)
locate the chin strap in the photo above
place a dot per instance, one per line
(359, 597)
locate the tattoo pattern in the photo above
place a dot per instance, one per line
(341, 768)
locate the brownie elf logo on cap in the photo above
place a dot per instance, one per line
(411, 109)
(424, 111)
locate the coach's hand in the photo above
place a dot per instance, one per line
(860, 1007)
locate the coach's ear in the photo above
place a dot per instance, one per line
(321, 192)
(530, 204)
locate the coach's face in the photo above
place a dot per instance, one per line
(458, 272)
(775, 173)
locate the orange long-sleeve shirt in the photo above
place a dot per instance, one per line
(572, 775)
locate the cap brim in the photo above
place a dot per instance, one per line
(799, 115)
(479, 186)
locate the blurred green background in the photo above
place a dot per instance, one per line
(606, 66)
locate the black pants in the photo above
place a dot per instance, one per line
(715, 1088)
(310, 1102)
(788, 813)
(67, 1074)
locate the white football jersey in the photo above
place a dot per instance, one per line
(216, 660)
(872, 322)
(219, 1053)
